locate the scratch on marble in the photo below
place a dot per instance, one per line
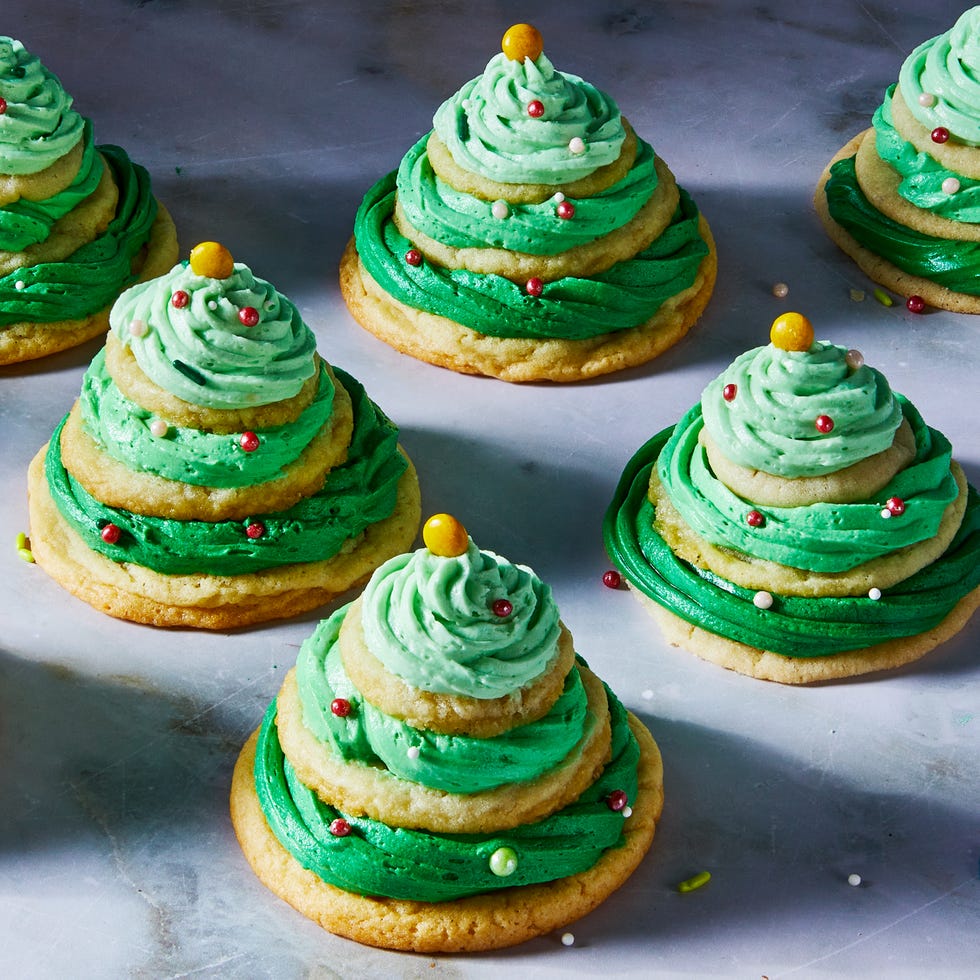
(205, 967)
(881, 27)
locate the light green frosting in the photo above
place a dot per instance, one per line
(488, 131)
(430, 620)
(947, 67)
(452, 763)
(770, 423)
(202, 352)
(39, 125)
(122, 429)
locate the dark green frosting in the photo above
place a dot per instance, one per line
(92, 276)
(794, 627)
(391, 862)
(571, 308)
(948, 262)
(356, 494)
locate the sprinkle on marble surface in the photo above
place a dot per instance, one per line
(883, 297)
(567, 939)
(695, 882)
(780, 290)
(854, 880)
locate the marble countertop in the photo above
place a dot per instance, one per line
(262, 124)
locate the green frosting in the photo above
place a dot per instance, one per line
(360, 492)
(400, 863)
(948, 262)
(948, 68)
(121, 428)
(487, 129)
(819, 537)
(430, 620)
(39, 125)
(793, 627)
(769, 424)
(572, 308)
(202, 352)
(922, 175)
(24, 223)
(90, 278)
(461, 220)
(453, 763)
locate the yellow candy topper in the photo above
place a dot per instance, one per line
(212, 259)
(522, 41)
(792, 331)
(445, 536)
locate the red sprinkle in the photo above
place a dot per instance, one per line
(3, 105)
(534, 286)
(249, 442)
(612, 579)
(616, 800)
(179, 299)
(824, 423)
(110, 533)
(248, 315)
(729, 392)
(896, 505)
(502, 607)
(940, 134)
(413, 256)
(754, 519)
(255, 530)
(340, 707)
(339, 827)
(535, 108)
(915, 304)
(565, 210)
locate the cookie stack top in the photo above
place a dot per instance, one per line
(77, 222)
(438, 739)
(903, 197)
(801, 507)
(211, 441)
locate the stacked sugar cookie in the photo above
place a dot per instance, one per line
(78, 222)
(531, 235)
(440, 772)
(903, 197)
(215, 470)
(801, 522)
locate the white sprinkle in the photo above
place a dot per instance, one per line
(854, 359)
(854, 880)
(647, 695)
(20, 284)
(780, 290)
(558, 198)
(874, 594)
(951, 185)
(857, 295)
(885, 513)
(500, 210)
(762, 600)
(212, 304)
(413, 752)
(567, 939)
(576, 145)
(159, 428)
(627, 811)
(138, 328)
(927, 99)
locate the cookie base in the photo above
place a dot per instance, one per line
(441, 341)
(481, 922)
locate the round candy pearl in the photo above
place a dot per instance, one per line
(340, 707)
(502, 608)
(558, 197)
(927, 100)
(754, 519)
(729, 392)
(20, 284)
(255, 530)
(503, 861)
(895, 506)
(762, 600)
(567, 939)
(522, 41)
(535, 108)
(179, 299)
(339, 827)
(565, 210)
(534, 286)
(854, 359)
(824, 423)
(249, 441)
(940, 134)
(159, 428)
(915, 304)
(249, 316)
(413, 256)
(951, 185)
(780, 290)
(138, 328)
(445, 537)
(791, 331)
(412, 752)
(110, 533)
(616, 800)
(212, 259)
(576, 145)
(854, 880)
(874, 594)
(611, 579)
(3, 105)
(500, 210)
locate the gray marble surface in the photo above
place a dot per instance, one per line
(262, 123)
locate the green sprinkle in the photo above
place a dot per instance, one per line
(26, 554)
(188, 372)
(503, 862)
(883, 297)
(21, 540)
(701, 878)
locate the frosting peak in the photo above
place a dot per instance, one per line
(232, 342)
(489, 130)
(432, 621)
